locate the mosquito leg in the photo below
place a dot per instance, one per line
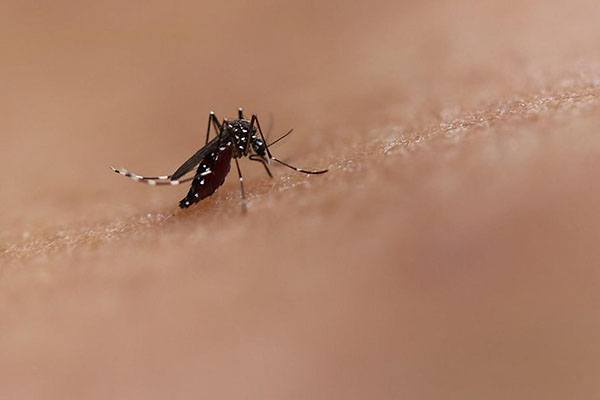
(259, 159)
(240, 113)
(170, 183)
(212, 120)
(150, 180)
(221, 130)
(210, 117)
(244, 206)
(322, 171)
(217, 124)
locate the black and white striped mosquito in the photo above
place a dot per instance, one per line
(235, 139)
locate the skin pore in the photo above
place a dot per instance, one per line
(449, 252)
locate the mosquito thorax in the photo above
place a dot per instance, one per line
(242, 133)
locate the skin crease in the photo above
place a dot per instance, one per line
(451, 251)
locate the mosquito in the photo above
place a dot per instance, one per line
(234, 139)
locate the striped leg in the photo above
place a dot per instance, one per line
(150, 180)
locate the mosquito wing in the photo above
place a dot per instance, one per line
(214, 165)
(194, 160)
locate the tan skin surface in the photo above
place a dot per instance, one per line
(451, 251)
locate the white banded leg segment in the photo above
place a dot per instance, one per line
(150, 180)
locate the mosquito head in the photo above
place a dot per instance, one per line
(259, 147)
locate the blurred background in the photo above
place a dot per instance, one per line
(450, 252)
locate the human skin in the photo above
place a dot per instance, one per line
(450, 251)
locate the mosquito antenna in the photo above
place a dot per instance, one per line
(281, 138)
(299, 169)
